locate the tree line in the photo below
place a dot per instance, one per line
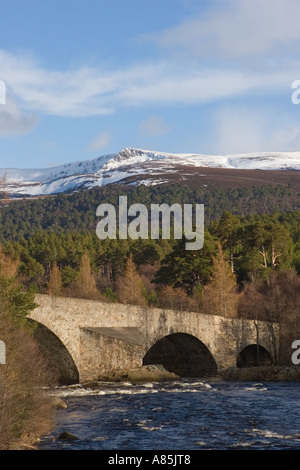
(76, 212)
(256, 248)
(249, 267)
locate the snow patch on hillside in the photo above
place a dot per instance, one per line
(113, 168)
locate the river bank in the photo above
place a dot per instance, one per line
(263, 374)
(157, 373)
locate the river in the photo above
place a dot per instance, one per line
(189, 414)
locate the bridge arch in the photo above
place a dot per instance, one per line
(182, 353)
(57, 355)
(254, 355)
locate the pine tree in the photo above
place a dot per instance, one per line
(187, 268)
(228, 231)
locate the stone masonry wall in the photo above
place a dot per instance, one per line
(101, 354)
(69, 317)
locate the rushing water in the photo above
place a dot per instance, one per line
(181, 415)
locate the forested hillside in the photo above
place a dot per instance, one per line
(258, 227)
(67, 212)
(249, 265)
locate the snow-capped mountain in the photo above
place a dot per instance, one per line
(134, 166)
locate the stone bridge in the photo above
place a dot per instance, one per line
(85, 339)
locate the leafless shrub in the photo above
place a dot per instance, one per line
(25, 407)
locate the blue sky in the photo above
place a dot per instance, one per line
(86, 78)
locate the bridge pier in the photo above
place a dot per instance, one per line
(104, 350)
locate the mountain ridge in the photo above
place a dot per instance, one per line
(136, 166)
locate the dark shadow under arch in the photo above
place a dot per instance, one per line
(56, 355)
(254, 355)
(183, 354)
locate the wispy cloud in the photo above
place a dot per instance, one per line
(14, 121)
(232, 49)
(230, 29)
(99, 142)
(240, 129)
(69, 93)
(154, 126)
(90, 92)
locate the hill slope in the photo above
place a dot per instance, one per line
(136, 166)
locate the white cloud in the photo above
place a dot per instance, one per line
(244, 47)
(239, 129)
(62, 93)
(95, 91)
(99, 142)
(154, 126)
(235, 29)
(13, 121)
